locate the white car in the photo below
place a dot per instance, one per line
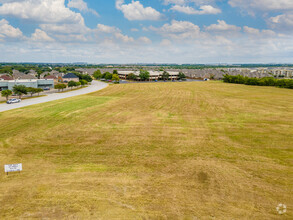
(12, 101)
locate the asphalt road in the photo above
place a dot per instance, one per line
(95, 86)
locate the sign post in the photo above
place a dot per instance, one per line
(12, 168)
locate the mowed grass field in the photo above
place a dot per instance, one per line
(190, 150)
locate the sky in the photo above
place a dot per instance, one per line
(146, 31)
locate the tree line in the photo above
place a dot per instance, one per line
(70, 84)
(21, 90)
(144, 75)
(107, 75)
(266, 81)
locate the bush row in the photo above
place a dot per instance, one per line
(266, 81)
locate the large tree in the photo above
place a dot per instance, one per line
(31, 90)
(107, 75)
(165, 75)
(39, 90)
(83, 82)
(71, 84)
(20, 90)
(97, 74)
(116, 78)
(181, 75)
(144, 75)
(60, 86)
(131, 76)
(6, 93)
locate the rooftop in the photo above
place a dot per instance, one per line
(70, 76)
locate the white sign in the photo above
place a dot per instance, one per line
(13, 167)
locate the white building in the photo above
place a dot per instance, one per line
(154, 75)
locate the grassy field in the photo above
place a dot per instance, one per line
(200, 150)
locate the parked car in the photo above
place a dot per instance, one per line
(12, 101)
(46, 88)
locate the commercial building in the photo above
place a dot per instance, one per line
(154, 75)
(35, 83)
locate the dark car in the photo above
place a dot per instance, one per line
(12, 101)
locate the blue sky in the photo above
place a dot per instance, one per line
(149, 31)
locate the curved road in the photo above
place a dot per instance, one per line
(95, 86)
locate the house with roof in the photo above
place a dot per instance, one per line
(19, 76)
(52, 77)
(70, 77)
(6, 77)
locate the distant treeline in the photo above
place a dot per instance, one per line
(266, 81)
(25, 67)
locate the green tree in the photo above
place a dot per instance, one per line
(31, 90)
(116, 78)
(83, 82)
(60, 86)
(6, 93)
(144, 75)
(181, 75)
(78, 84)
(107, 76)
(115, 72)
(165, 75)
(39, 72)
(71, 84)
(97, 74)
(20, 90)
(131, 76)
(63, 86)
(39, 90)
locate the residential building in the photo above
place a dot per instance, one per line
(53, 78)
(70, 77)
(6, 77)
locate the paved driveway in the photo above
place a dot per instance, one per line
(95, 86)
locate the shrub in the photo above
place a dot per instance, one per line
(266, 81)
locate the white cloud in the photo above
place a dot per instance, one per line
(136, 11)
(144, 40)
(123, 38)
(134, 30)
(205, 9)
(107, 29)
(256, 32)
(40, 35)
(178, 30)
(251, 30)
(65, 28)
(222, 26)
(282, 22)
(184, 2)
(165, 42)
(116, 32)
(41, 11)
(82, 6)
(263, 5)
(7, 31)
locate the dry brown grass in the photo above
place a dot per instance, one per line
(151, 151)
